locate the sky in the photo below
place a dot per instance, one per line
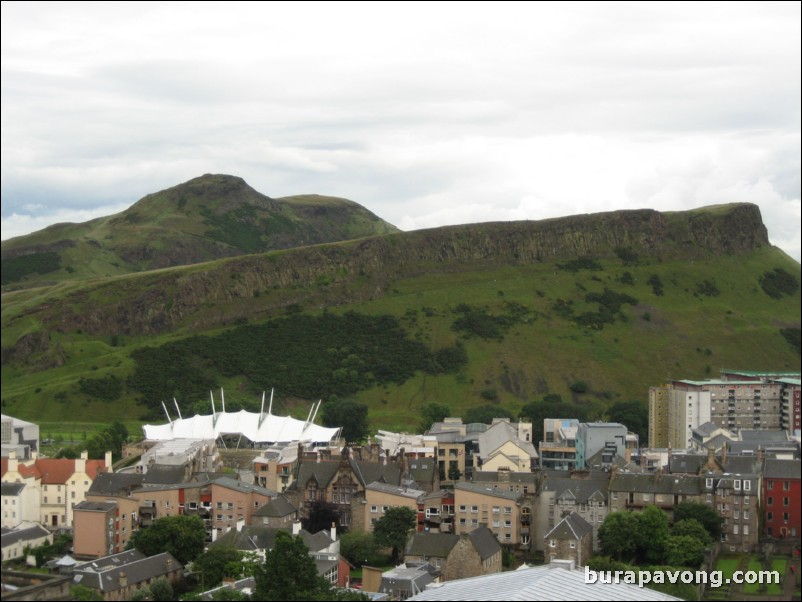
(428, 114)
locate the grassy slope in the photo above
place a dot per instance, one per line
(739, 328)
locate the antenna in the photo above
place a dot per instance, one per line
(223, 397)
(177, 409)
(270, 407)
(261, 410)
(214, 412)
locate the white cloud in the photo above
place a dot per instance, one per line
(425, 114)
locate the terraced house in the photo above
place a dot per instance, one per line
(497, 508)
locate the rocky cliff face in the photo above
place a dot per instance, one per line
(257, 286)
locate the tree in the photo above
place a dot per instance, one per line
(684, 550)
(321, 515)
(652, 535)
(161, 590)
(214, 564)
(182, 536)
(85, 594)
(709, 518)
(351, 416)
(432, 412)
(391, 529)
(485, 414)
(360, 548)
(693, 528)
(288, 572)
(634, 415)
(618, 535)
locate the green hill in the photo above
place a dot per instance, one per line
(207, 218)
(596, 308)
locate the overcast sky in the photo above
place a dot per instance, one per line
(427, 114)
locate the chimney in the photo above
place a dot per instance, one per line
(108, 461)
(711, 458)
(296, 527)
(240, 524)
(628, 454)
(169, 565)
(84, 455)
(724, 456)
(123, 580)
(334, 531)
(13, 463)
(34, 455)
(317, 457)
(80, 463)
(760, 454)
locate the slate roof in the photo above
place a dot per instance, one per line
(104, 573)
(26, 534)
(499, 434)
(743, 465)
(116, 483)
(365, 472)
(236, 485)
(758, 435)
(395, 490)
(488, 490)
(706, 429)
(687, 463)
(11, 488)
(164, 474)
(437, 545)
(317, 541)
(582, 490)
(485, 542)
(249, 538)
(783, 469)
(657, 483)
(278, 507)
(572, 526)
(486, 476)
(95, 506)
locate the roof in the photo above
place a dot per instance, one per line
(427, 545)
(759, 435)
(485, 542)
(487, 476)
(104, 573)
(537, 583)
(743, 464)
(572, 526)
(25, 534)
(316, 541)
(236, 485)
(487, 490)
(782, 469)
(277, 507)
(12, 488)
(57, 471)
(95, 506)
(657, 483)
(116, 483)
(249, 538)
(706, 429)
(499, 434)
(687, 463)
(594, 488)
(259, 428)
(164, 474)
(395, 490)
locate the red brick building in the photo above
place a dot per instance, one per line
(782, 492)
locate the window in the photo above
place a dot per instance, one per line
(496, 509)
(736, 515)
(374, 509)
(737, 484)
(475, 522)
(507, 524)
(746, 501)
(572, 545)
(462, 522)
(746, 514)
(735, 529)
(785, 501)
(786, 486)
(747, 485)
(769, 484)
(462, 508)
(552, 543)
(474, 509)
(219, 505)
(769, 516)
(769, 501)
(496, 524)
(746, 529)
(709, 483)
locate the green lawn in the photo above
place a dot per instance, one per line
(770, 589)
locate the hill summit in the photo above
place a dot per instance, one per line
(206, 218)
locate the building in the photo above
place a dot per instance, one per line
(593, 437)
(456, 556)
(791, 413)
(61, 483)
(782, 495)
(187, 455)
(18, 436)
(380, 496)
(558, 448)
(659, 399)
(633, 491)
(20, 504)
(118, 576)
(506, 446)
(737, 500)
(278, 513)
(28, 535)
(570, 539)
(583, 493)
(494, 507)
(407, 580)
(275, 467)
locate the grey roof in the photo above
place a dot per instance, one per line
(743, 465)
(537, 583)
(499, 434)
(322, 472)
(488, 490)
(782, 469)
(431, 544)
(423, 470)
(728, 482)
(572, 526)
(249, 538)
(657, 483)
(752, 447)
(317, 541)
(164, 474)
(687, 463)
(104, 573)
(759, 435)
(324, 565)
(25, 534)
(706, 429)
(396, 490)
(486, 476)
(403, 576)
(236, 485)
(582, 490)
(116, 483)
(11, 488)
(485, 542)
(278, 507)
(370, 472)
(95, 506)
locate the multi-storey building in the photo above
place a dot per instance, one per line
(737, 500)
(592, 437)
(659, 398)
(380, 496)
(558, 448)
(791, 413)
(559, 497)
(498, 509)
(782, 493)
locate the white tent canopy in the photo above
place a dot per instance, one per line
(258, 427)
